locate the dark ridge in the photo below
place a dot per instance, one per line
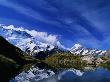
(11, 60)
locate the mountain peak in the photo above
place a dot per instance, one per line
(30, 40)
(78, 49)
(76, 46)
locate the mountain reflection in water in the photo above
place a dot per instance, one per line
(44, 73)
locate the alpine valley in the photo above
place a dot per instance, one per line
(22, 49)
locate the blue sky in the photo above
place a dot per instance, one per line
(74, 21)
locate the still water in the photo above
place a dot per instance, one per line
(42, 73)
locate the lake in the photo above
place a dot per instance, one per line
(44, 73)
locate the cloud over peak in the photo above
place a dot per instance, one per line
(43, 37)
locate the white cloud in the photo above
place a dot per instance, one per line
(40, 36)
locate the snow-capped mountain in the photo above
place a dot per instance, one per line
(78, 49)
(29, 40)
(33, 41)
(74, 71)
(34, 74)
